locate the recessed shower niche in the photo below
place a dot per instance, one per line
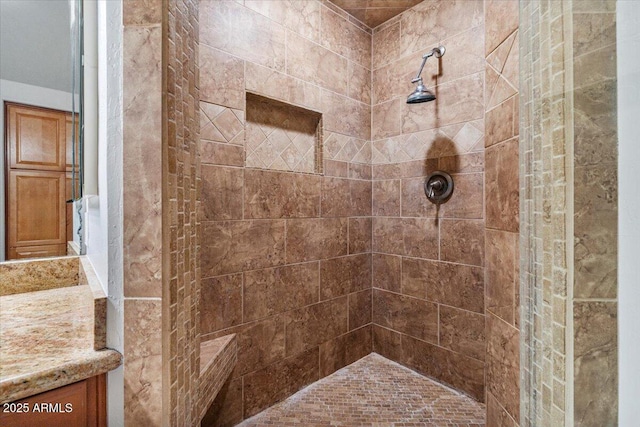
(281, 136)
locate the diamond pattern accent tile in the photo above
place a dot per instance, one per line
(281, 137)
(221, 124)
(346, 148)
(447, 141)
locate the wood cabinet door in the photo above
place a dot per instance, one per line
(36, 138)
(37, 212)
(69, 141)
(82, 404)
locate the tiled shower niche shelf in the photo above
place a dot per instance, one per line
(282, 137)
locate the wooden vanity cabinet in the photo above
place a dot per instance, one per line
(81, 404)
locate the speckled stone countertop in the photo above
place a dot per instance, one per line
(47, 341)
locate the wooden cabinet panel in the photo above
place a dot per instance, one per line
(41, 251)
(37, 211)
(69, 141)
(82, 404)
(36, 138)
(69, 207)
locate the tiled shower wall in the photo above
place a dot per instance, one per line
(142, 213)
(161, 173)
(595, 214)
(569, 189)
(502, 209)
(285, 257)
(428, 264)
(180, 204)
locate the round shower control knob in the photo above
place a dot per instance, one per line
(438, 187)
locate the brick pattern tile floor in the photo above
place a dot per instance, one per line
(375, 392)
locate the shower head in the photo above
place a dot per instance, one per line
(421, 93)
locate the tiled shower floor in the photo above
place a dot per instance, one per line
(373, 391)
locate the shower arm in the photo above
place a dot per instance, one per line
(437, 51)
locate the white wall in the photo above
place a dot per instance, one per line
(628, 36)
(104, 211)
(24, 94)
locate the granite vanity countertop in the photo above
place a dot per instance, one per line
(47, 341)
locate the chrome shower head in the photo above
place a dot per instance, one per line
(421, 93)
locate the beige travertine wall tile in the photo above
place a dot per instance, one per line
(214, 316)
(143, 362)
(281, 195)
(415, 237)
(311, 62)
(462, 331)
(593, 31)
(501, 279)
(227, 407)
(501, 171)
(386, 45)
(459, 371)
(260, 343)
(142, 161)
(503, 367)
(141, 12)
(386, 119)
(223, 186)
(595, 123)
(428, 22)
(359, 83)
(596, 360)
(596, 231)
(462, 241)
(501, 20)
(415, 317)
(300, 16)
(500, 122)
(459, 101)
(463, 55)
(221, 153)
(465, 163)
(386, 198)
(445, 283)
(234, 246)
(345, 275)
(344, 350)
(261, 40)
(386, 272)
(321, 238)
(276, 290)
(267, 386)
(346, 39)
(346, 116)
(360, 309)
(345, 197)
(274, 84)
(359, 235)
(310, 326)
(221, 78)
(595, 6)
(496, 415)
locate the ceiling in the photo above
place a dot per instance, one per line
(374, 12)
(35, 43)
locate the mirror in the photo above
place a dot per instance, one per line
(42, 122)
